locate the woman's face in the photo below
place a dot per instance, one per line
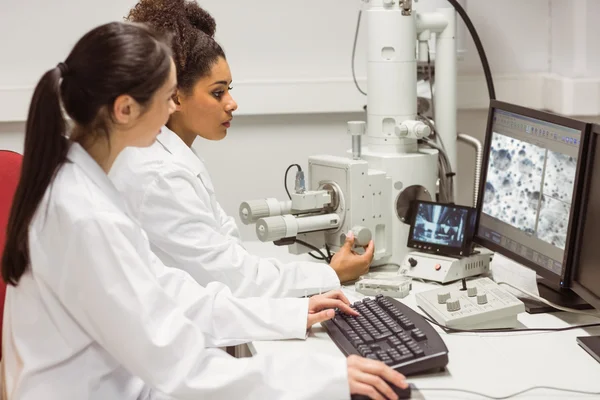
(208, 110)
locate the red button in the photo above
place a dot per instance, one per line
(438, 267)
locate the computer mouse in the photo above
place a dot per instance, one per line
(402, 393)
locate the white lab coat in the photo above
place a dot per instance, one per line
(97, 316)
(169, 191)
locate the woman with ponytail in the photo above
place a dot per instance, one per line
(90, 312)
(170, 190)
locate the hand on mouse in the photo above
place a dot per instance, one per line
(347, 264)
(321, 307)
(368, 377)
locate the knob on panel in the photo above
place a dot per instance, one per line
(453, 305)
(482, 298)
(443, 297)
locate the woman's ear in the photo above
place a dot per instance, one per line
(176, 100)
(125, 109)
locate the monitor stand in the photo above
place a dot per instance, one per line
(591, 344)
(561, 297)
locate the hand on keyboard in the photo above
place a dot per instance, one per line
(368, 377)
(321, 307)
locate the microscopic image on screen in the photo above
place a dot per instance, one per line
(443, 225)
(514, 180)
(553, 222)
(560, 176)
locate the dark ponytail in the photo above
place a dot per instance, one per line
(109, 61)
(45, 151)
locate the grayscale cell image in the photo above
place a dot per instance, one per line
(512, 189)
(514, 192)
(553, 222)
(560, 176)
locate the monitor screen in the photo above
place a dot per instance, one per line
(441, 228)
(529, 180)
(586, 266)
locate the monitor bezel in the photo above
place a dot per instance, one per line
(575, 286)
(563, 279)
(435, 248)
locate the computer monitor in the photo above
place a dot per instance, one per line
(529, 194)
(585, 274)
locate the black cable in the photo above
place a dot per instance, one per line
(484, 61)
(315, 256)
(354, 53)
(329, 256)
(314, 248)
(510, 395)
(285, 178)
(510, 330)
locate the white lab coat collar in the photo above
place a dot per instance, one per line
(176, 146)
(186, 155)
(78, 156)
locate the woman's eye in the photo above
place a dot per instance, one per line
(218, 94)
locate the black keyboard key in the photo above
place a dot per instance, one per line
(418, 335)
(382, 336)
(405, 337)
(405, 358)
(418, 352)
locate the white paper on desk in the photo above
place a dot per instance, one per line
(506, 270)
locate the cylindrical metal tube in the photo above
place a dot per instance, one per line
(478, 162)
(391, 72)
(356, 147)
(274, 228)
(445, 87)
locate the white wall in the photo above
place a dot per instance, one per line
(294, 57)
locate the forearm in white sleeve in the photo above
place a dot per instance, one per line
(184, 234)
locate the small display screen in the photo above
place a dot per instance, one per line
(442, 228)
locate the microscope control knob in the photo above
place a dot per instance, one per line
(422, 130)
(401, 130)
(252, 210)
(271, 228)
(443, 297)
(453, 305)
(472, 291)
(412, 262)
(482, 298)
(362, 235)
(388, 2)
(357, 128)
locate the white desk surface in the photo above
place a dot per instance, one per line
(497, 364)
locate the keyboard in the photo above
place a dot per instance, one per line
(389, 331)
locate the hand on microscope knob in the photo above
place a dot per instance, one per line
(347, 264)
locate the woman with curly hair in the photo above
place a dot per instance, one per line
(170, 191)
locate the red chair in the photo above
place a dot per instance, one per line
(10, 170)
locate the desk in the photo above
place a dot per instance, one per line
(494, 364)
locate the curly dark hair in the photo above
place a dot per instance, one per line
(195, 50)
